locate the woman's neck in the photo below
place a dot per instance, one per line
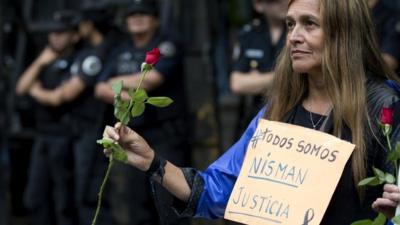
(317, 100)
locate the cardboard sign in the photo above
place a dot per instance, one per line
(288, 176)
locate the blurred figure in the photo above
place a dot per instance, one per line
(49, 192)
(87, 112)
(164, 126)
(258, 45)
(387, 25)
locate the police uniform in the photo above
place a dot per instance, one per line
(387, 23)
(255, 51)
(164, 128)
(50, 185)
(87, 123)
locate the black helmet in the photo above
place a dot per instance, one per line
(64, 20)
(143, 6)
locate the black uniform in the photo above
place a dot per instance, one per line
(387, 22)
(87, 124)
(164, 128)
(50, 189)
(255, 51)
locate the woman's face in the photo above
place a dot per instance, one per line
(304, 36)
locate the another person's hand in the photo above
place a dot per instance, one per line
(140, 155)
(389, 201)
(47, 56)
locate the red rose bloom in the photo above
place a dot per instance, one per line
(153, 56)
(387, 116)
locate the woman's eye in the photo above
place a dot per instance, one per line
(310, 23)
(289, 24)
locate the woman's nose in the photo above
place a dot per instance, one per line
(295, 35)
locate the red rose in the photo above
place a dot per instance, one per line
(387, 116)
(153, 56)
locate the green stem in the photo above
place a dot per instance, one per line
(100, 195)
(141, 80)
(390, 150)
(102, 187)
(137, 89)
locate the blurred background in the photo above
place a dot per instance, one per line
(207, 31)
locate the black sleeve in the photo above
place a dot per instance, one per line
(171, 60)
(196, 184)
(241, 63)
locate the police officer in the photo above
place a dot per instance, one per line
(258, 45)
(49, 190)
(163, 126)
(388, 29)
(87, 112)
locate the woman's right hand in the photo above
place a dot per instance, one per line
(140, 154)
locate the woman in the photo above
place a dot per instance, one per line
(330, 76)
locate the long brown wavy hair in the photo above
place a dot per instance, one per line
(350, 50)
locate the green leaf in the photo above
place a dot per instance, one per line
(392, 156)
(105, 142)
(396, 219)
(380, 174)
(137, 109)
(362, 222)
(140, 96)
(119, 153)
(398, 147)
(121, 111)
(131, 92)
(122, 114)
(379, 220)
(159, 101)
(397, 150)
(370, 181)
(389, 178)
(117, 87)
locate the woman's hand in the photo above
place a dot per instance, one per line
(140, 155)
(389, 201)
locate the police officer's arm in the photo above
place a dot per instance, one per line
(103, 88)
(140, 155)
(104, 92)
(152, 80)
(66, 92)
(31, 74)
(250, 83)
(43, 96)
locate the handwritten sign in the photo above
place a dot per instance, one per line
(288, 176)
